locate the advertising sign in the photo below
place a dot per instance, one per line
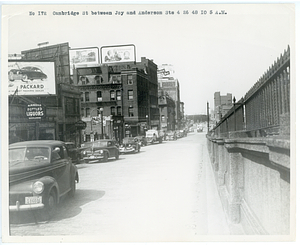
(31, 77)
(35, 111)
(83, 57)
(117, 54)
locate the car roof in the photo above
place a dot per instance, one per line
(37, 143)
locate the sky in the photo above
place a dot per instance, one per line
(209, 52)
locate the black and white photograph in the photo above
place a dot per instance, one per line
(134, 122)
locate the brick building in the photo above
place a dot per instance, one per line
(118, 99)
(167, 112)
(170, 86)
(222, 104)
(60, 108)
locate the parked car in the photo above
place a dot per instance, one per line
(130, 145)
(100, 150)
(153, 136)
(73, 152)
(199, 129)
(26, 73)
(40, 174)
(142, 140)
(171, 135)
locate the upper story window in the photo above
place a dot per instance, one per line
(98, 79)
(112, 95)
(99, 96)
(130, 112)
(113, 111)
(83, 80)
(118, 95)
(115, 79)
(130, 80)
(82, 96)
(87, 96)
(130, 94)
(119, 111)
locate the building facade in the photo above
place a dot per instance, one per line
(170, 86)
(222, 104)
(167, 112)
(118, 100)
(58, 110)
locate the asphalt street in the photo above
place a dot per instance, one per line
(164, 193)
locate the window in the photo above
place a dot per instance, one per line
(98, 79)
(83, 80)
(87, 112)
(118, 95)
(82, 112)
(130, 112)
(130, 81)
(130, 94)
(112, 95)
(87, 96)
(113, 111)
(82, 96)
(99, 96)
(119, 111)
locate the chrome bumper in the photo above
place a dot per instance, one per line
(24, 207)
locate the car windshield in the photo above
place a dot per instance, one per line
(28, 155)
(95, 144)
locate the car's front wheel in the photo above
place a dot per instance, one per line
(24, 77)
(50, 206)
(11, 76)
(117, 155)
(105, 157)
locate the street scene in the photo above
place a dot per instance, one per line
(141, 196)
(148, 123)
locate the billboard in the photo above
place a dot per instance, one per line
(117, 54)
(31, 77)
(83, 57)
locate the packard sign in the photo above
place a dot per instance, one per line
(35, 111)
(31, 77)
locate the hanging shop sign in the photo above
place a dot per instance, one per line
(35, 111)
(80, 124)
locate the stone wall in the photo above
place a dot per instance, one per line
(253, 179)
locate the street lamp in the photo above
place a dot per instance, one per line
(147, 120)
(101, 115)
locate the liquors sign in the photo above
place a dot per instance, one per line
(35, 111)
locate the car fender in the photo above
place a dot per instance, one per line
(27, 186)
(49, 184)
(107, 151)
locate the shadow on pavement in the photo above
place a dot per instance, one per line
(67, 208)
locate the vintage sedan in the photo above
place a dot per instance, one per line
(130, 145)
(171, 135)
(73, 152)
(99, 150)
(142, 140)
(26, 73)
(40, 174)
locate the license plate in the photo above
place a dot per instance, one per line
(33, 200)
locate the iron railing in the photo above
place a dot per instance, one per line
(260, 111)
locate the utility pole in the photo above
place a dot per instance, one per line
(207, 117)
